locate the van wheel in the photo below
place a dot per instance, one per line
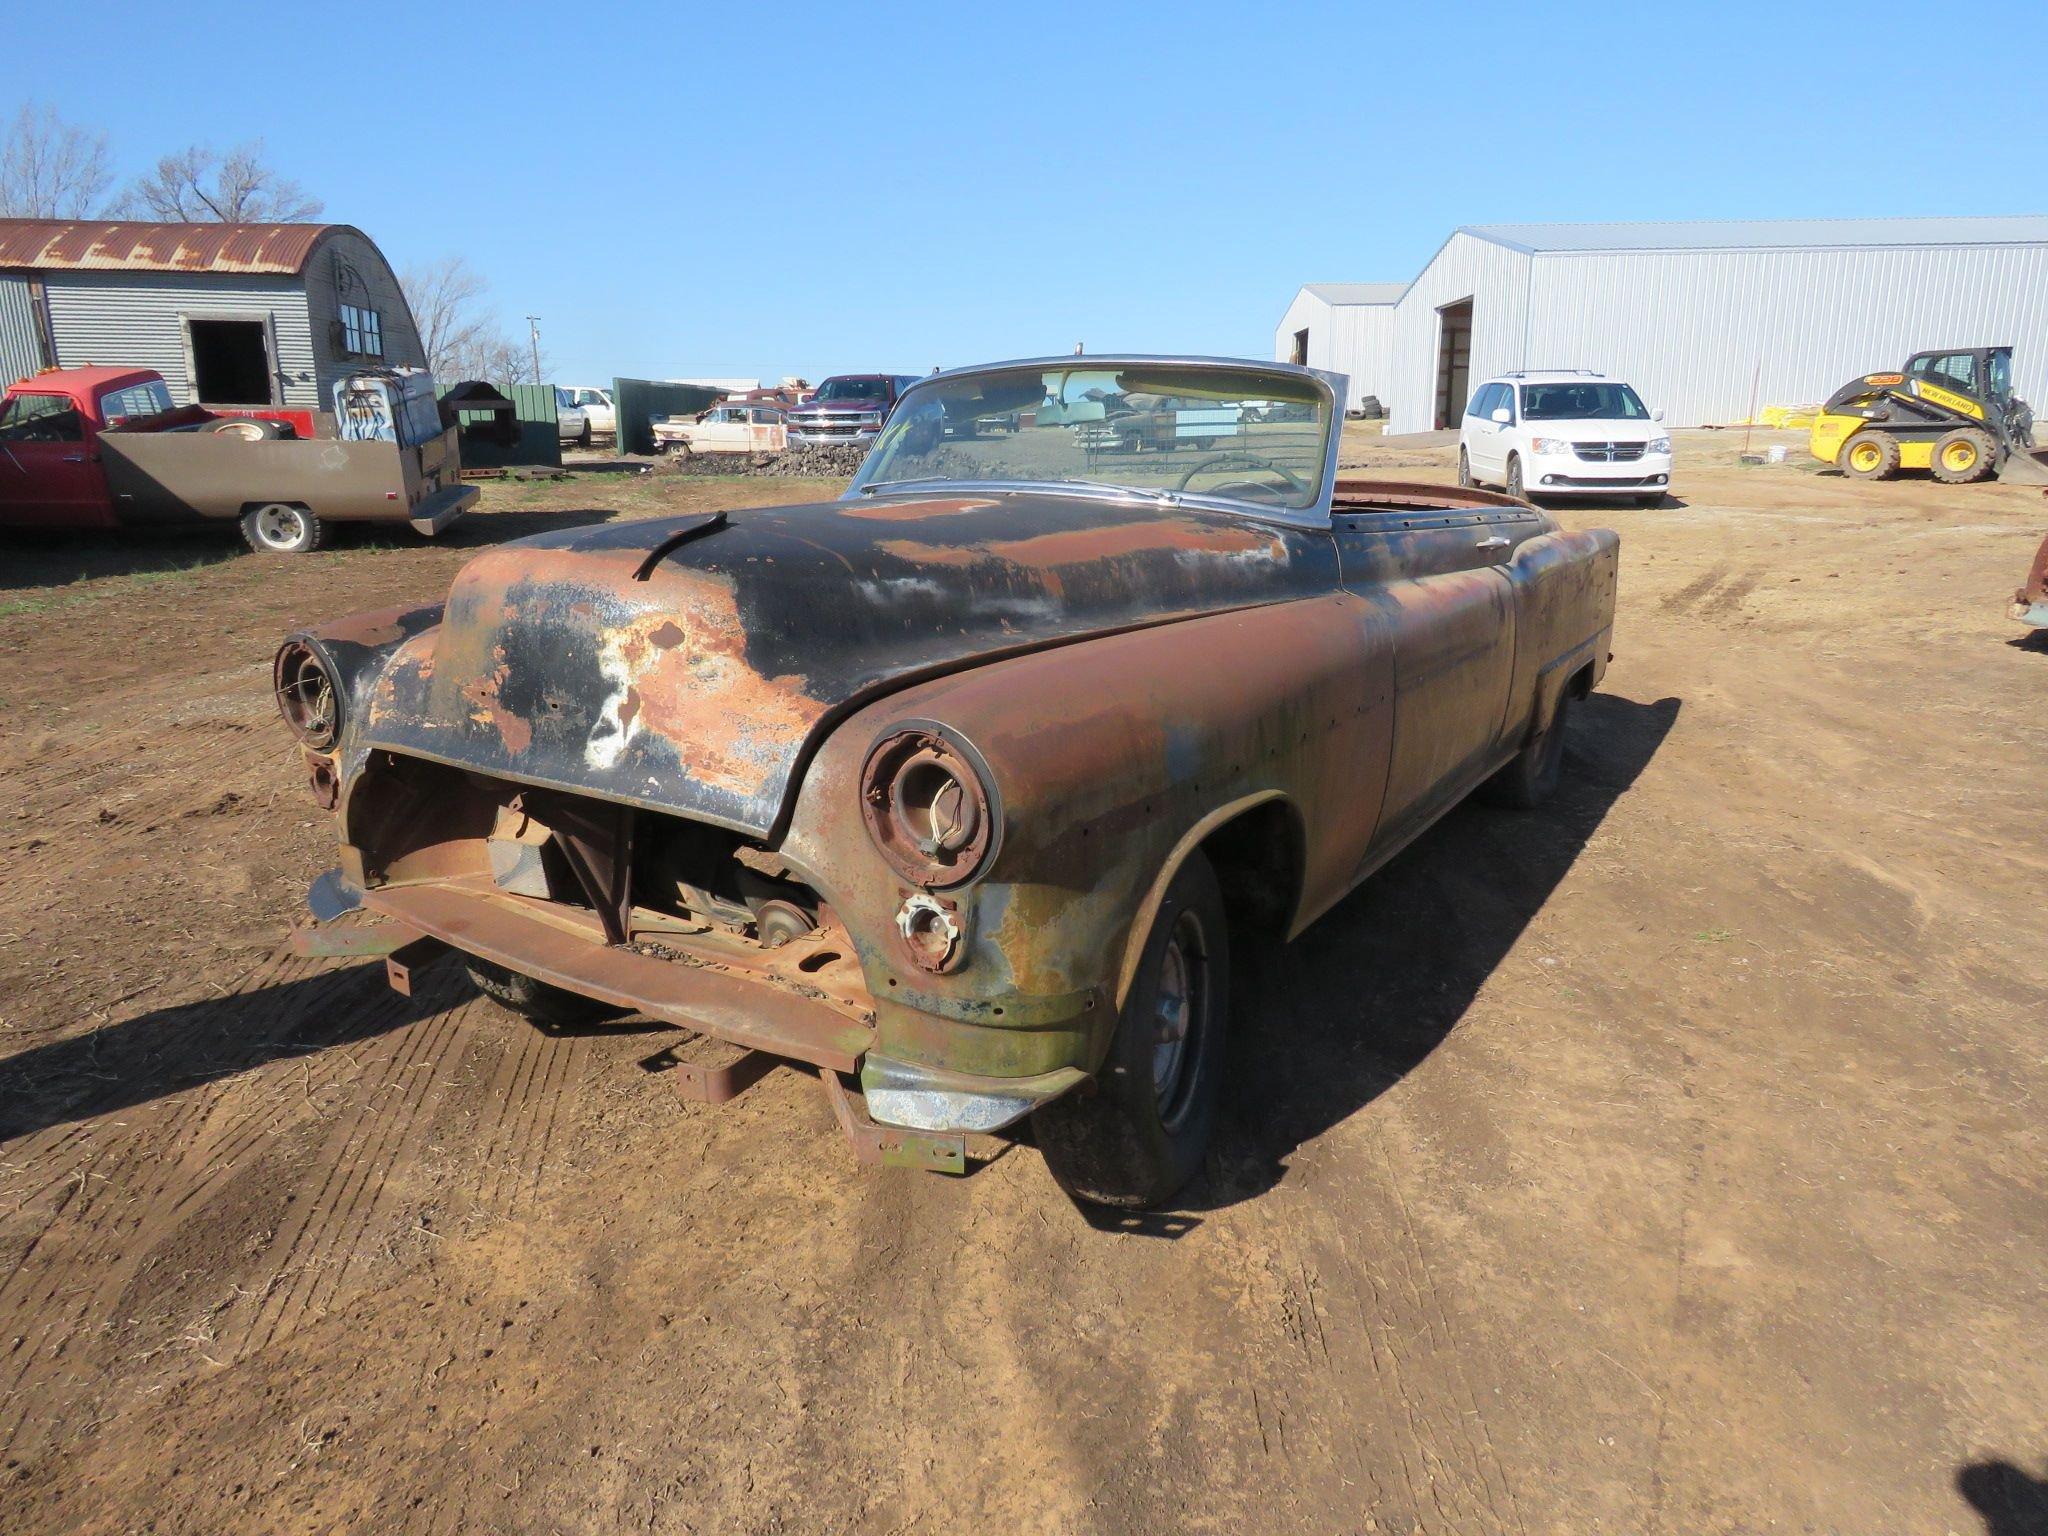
(1532, 773)
(1465, 470)
(1515, 477)
(536, 1001)
(282, 529)
(1141, 1134)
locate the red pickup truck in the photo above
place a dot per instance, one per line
(85, 448)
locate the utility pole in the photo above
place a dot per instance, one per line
(533, 332)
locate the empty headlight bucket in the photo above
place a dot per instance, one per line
(930, 805)
(308, 695)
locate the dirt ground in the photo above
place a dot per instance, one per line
(1665, 1161)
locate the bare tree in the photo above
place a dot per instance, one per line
(198, 186)
(50, 169)
(461, 341)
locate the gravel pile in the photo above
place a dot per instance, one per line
(804, 463)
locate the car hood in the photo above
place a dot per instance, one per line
(687, 664)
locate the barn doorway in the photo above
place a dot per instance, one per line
(1300, 357)
(231, 361)
(1453, 361)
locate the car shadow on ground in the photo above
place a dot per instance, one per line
(168, 1050)
(1326, 1025)
(2009, 1500)
(32, 559)
(53, 561)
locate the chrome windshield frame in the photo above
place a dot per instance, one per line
(1330, 387)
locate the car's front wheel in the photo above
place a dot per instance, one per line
(1140, 1135)
(536, 1001)
(1465, 470)
(1515, 477)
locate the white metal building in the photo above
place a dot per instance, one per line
(1348, 327)
(1699, 316)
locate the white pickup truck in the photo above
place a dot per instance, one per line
(596, 405)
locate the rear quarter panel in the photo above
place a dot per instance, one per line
(1564, 585)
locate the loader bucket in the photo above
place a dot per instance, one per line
(2023, 466)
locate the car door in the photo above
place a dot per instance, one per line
(49, 475)
(1482, 433)
(723, 431)
(1439, 579)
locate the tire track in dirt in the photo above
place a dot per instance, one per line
(161, 1171)
(352, 1158)
(1373, 1406)
(144, 1191)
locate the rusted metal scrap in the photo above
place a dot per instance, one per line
(953, 789)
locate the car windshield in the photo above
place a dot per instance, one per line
(851, 389)
(1243, 434)
(1581, 401)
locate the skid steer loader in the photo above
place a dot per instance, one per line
(1952, 412)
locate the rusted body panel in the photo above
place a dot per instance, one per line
(700, 688)
(632, 758)
(2030, 602)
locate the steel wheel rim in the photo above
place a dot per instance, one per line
(279, 526)
(1180, 1009)
(1961, 455)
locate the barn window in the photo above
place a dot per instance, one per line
(362, 331)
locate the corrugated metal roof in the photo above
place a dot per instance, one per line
(1766, 234)
(97, 245)
(1357, 293)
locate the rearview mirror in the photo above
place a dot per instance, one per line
(1657, 414)
(1503, 415)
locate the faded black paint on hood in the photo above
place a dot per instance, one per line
(697, 689)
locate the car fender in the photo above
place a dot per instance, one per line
(1114, 757)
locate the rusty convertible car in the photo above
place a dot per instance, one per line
(956, 788)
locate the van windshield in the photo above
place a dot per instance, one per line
(1576, 401)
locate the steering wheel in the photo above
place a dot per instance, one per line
(1243, 456)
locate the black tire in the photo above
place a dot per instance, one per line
(1514, 486)
(281, 528)
(536, 1001)
(1869, 456)
(1140, 1135)
(583, 437)
(1533, 772)
(1964, 456)
(1465, 479)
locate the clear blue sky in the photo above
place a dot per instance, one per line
(760, 190)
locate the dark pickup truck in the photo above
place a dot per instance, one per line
(84, 448)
